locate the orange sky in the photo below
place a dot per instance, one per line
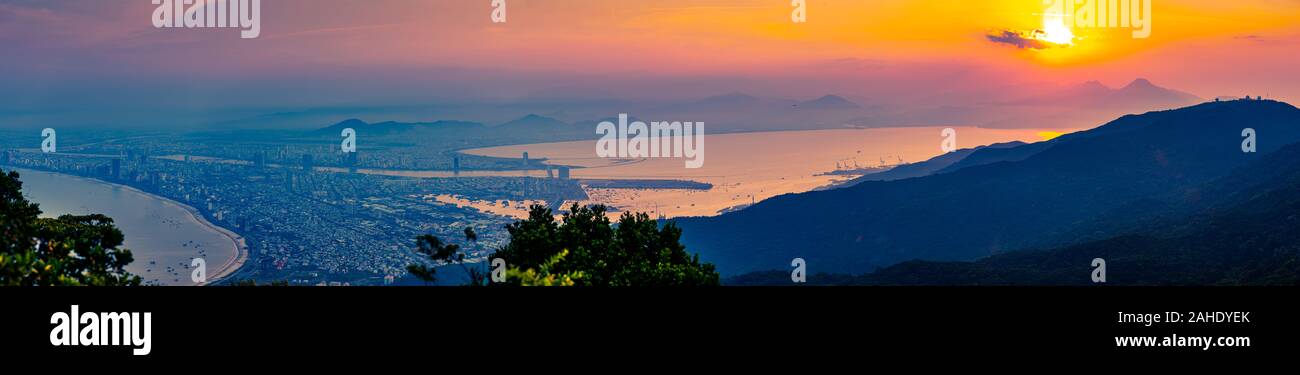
(695, 34)
(1206, 47)
(1197, 45)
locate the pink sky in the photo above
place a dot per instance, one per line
(349, 52)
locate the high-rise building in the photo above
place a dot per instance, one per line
(352, 162)
(455, 166)
(525, 159)
(306, 163)
(117, 169)
(564, 173)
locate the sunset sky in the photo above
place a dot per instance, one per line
(87, 56)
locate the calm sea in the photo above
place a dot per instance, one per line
(162, 236)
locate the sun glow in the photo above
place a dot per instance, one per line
(1049, 135)
(1055, 31)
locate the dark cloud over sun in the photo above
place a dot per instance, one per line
(1036, 39)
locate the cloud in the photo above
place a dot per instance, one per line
(1253, 38)
(1267, 39)
(1021, 40)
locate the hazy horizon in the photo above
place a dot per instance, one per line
(94, 64)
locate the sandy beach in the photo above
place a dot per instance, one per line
(240, 246)
(237, 247)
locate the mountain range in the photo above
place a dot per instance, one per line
(995, 200)
(1069, 107)
(1239, 231)
(1138, 94)
(526, 129)
(1242, 231)
(933, 165)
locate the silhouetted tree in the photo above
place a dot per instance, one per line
(584, 243)
(470, 235)
(69, 250)
(449, 253)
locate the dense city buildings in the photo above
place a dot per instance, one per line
(306, 224)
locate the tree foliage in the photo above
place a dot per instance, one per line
(583, 248)
(444, 253)
(69, 250)
(635, 252)
(544, 276)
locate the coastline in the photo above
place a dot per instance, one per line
(238, 245)
(241, 246)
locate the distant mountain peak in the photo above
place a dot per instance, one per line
(1140, 83)
(1143, 88)
(352, 121)
(386, 127)
(829, 101)
(349, 123)
(1139, 95)
(533, 120)
(1094, 84)
(533, 117)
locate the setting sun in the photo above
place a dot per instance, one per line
(1055, 31)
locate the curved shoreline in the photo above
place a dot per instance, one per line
(239, 245)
